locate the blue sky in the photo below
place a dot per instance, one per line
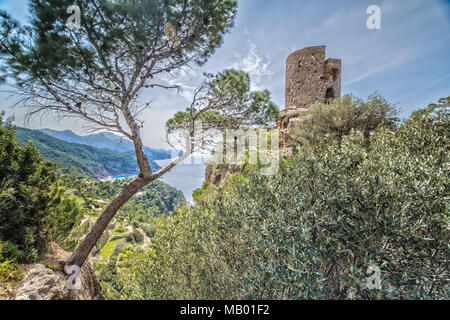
(407, 61)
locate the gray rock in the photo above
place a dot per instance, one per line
(41, 283)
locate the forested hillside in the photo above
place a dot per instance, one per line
(106, 140)
(81, 158)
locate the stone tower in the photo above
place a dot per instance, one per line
(309, 78)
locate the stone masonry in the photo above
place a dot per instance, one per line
(309, 78)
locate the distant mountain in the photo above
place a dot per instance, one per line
(106, 140)
(95, 162)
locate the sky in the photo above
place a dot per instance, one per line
(407, 61)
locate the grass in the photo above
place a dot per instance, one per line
(53, 267)
(108, 249)
(10, 270)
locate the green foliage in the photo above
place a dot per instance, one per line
(108, 249)
(312, 231)
(9, 270)
(224, 101)
(202, 193)
(342, 115)
(116, 38)
(11, 251)
(25, 196)
(65, 215)
(137, 236)
(107, 275)
(129, 238)
(53, 267)
(149, 230)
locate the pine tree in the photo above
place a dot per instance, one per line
(97, 70)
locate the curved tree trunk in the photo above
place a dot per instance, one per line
(82, 252)
(129, 190)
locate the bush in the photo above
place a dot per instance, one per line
(9, 250)
(342, 115)
(313, 230)
(149, 230)
(9, 269)
(25, 195)
(65, 215)
(137, 236)
(203, 192)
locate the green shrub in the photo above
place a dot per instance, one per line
(25, 195)
(10, 251)
(203, 192)
(53, 267)
(312, 231)
(129, 238)
(342, 115)
(149, 230)
(137, 236)
(10, 270)
(120, 229)
(65, 215)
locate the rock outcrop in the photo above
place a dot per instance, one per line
(44, 281)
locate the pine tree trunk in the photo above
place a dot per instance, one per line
(82, 252)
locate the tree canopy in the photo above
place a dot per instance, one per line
(222, 101)
(120, 48)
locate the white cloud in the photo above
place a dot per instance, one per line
(183, 77)
(256, 66)
(376, 66)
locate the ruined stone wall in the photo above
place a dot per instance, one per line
(309, 78)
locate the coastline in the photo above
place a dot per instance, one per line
(186, 177)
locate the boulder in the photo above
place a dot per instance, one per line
(43, 283)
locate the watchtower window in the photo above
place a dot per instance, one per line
(329, 95)
(335, 74)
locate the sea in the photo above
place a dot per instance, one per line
(186, 177)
